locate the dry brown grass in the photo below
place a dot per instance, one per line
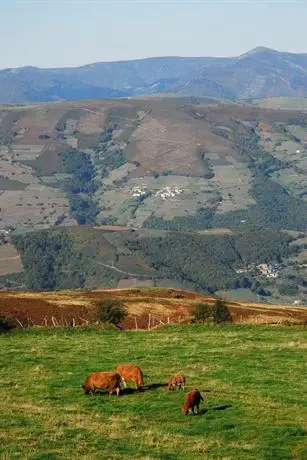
(145, 306)
(91, 122)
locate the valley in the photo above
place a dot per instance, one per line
(166, 170)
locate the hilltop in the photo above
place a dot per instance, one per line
(260, 73)
(147, 308)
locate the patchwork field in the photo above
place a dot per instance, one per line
(165, 196)
(46, 206)
(251, 377)
(208, 150)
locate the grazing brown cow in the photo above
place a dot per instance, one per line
(131, 372)
(176, 381)
(191, 399)
(102, 380)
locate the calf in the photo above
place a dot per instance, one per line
(102, 380)
(191, 399)
(131, 372)
(176, 381)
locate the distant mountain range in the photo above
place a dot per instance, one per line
(260, 73)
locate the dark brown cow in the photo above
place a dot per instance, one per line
(191, 399)
(102, 380)
(176, 381)
(131, 372)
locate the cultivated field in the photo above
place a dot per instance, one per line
(164, 142)
(251, 376)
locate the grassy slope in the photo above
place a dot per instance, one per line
(166, 305)
(252, 377)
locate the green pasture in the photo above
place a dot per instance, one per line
(253, 379)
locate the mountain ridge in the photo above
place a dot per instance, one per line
(261, 72)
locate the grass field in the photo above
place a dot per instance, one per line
(252, 378)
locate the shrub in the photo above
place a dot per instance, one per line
(6, 324)
(220, 312)
(202, 313)
(288, 288)
(111, 311)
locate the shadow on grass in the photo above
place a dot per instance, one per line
(150, 387)
(130, 391)
(223, 407)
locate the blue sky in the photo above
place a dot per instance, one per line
(69, 33)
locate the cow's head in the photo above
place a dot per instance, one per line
(85, 389)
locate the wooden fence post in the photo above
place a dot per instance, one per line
(149, 318)
(54, 322)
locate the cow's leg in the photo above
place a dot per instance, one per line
(117, 391)
(193, 410)
(198, 409)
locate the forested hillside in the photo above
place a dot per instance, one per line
(82, 257)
